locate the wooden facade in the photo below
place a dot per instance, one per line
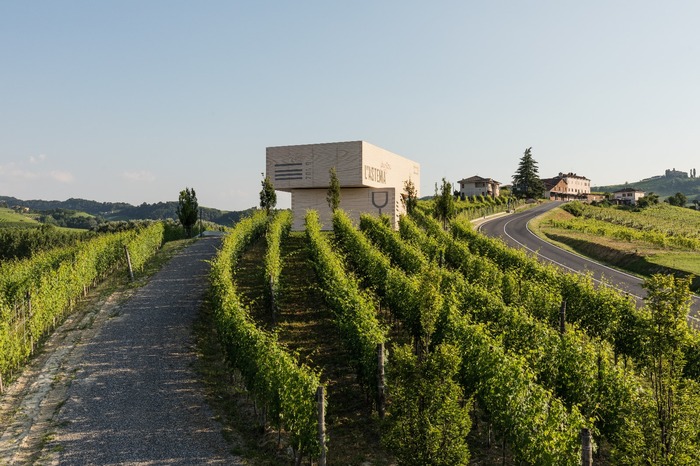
(371, 178)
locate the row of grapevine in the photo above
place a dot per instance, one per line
(541, 428)
(578, 370)
(354, 310)
(601, 311)
(21, 243)
(283, 386)
(278, 228)
(639, 333)
(624, 233)
(37, 293)
(663, 218)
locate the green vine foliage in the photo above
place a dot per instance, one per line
(277, 380)
(402, 254)
(37, 293)
(602, 311)
(355, 310)
(579, 371)
(408, 299)
(429, 420)
(278, 228)
(603, 322)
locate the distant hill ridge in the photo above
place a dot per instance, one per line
(125, 211)
(662, 185)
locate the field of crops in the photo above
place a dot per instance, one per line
(662, 225)
(475, 340)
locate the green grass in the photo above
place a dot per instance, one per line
(685, 261)
(10, 218)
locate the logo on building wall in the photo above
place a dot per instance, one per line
(380, 199)
(375, 174)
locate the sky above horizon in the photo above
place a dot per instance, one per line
(132, 101)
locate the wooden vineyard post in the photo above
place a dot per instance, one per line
(27, 318)
(381, 381)
(562, 318)
(273, 302)
(128, 261)
(586, 448)
(321, 401)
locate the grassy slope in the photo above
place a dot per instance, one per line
(10, 218)
(635, 256)
(664, 187)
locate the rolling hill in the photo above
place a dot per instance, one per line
(122, 211)
(663, 186)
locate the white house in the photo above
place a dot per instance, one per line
(371, 178)
(476, 186)
(628, 196)
(567, 186)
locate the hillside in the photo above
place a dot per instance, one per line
(9, 217)
(121, 210)
(663, 186)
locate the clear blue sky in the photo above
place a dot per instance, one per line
(135, 100)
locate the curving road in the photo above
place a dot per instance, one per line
(513, 229)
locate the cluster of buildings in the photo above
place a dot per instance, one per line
(373, 180)
(563, 187)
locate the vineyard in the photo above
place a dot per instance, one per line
(658, 239)
(661, 225)
(450, 335)
(38, 292)
(448, 346)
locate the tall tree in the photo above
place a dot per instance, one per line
(333, 195)
(187, 209)
(526, 182)
(268, 196)
(444, 202)
(679, 199)
(411, 199)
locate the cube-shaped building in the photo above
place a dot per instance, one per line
(371, 179)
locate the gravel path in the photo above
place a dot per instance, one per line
(135, 398)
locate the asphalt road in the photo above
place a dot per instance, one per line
(513, 229)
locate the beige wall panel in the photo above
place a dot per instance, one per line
(307, 166)
(381, 168)
(354, 201)
(357, 164)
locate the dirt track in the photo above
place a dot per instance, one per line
(115, 384)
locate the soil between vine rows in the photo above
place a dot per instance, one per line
(305, 325)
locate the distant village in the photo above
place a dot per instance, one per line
(567, 187)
